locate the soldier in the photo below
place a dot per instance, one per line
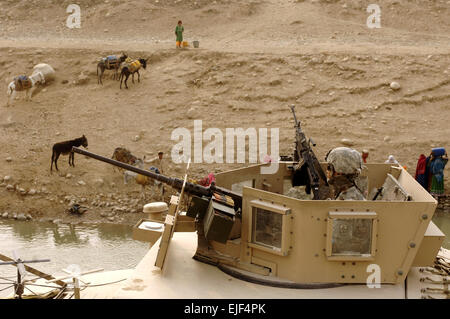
(344, 167)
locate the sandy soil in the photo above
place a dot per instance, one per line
(255, 59)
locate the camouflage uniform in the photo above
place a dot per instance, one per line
(298, 192)
(347, 165)
(362, 183)
(351, 193)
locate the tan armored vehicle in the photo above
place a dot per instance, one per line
(248, 236)
(255, 236)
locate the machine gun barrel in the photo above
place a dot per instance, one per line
(176, 183)
(317, 179)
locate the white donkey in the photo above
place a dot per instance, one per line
(18, 85)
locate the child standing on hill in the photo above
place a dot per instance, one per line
(179, 29)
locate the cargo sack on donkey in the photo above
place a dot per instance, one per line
(111, 61)
(134, 66)
(47, 71)
(22, 82)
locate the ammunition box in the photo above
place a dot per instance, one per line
(218, 222)
(224, 199)
(197, 207)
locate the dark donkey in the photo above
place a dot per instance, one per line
(66, 148)
(111, 62)
(131, 68)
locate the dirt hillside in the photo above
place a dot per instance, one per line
(255, 59)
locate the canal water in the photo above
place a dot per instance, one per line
(442, 220)
(107, 246)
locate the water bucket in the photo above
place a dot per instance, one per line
(196, 44)
(185, 44)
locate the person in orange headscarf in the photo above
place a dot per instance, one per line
(421, 176)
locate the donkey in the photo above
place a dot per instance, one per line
(24, 83)
(111, 62)
(66, 148)
(123, 155)
(131, 68)
(145, 181)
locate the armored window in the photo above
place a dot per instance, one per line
(269, 226)
(351, 236)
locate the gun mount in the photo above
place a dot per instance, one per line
(215, 208)
(176, 183)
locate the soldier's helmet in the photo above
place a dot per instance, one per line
(345, 160)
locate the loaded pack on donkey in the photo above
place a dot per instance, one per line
(111, 62)
(24, 83)
(130, 67)
(42, 74)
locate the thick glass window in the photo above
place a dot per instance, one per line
(267, 228)
(352, 236)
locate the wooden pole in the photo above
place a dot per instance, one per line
(71, 275)
(76, 287)
(19, 285)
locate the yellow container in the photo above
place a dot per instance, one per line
(185, 44)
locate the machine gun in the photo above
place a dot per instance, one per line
(176, 183)
(308, 171)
